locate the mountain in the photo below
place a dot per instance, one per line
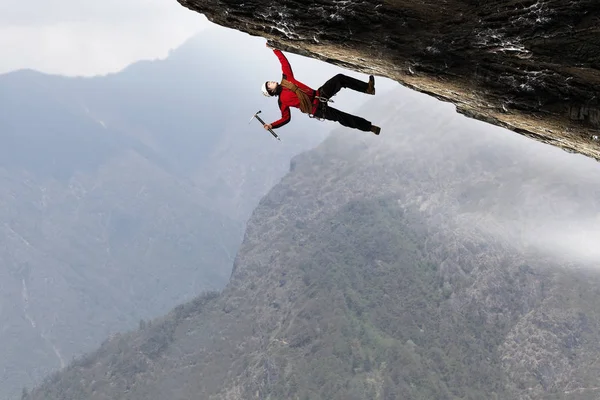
(125, 195)
(529, 66)
(409, 265)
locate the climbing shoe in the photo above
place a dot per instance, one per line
(375, 129)
(371, 87)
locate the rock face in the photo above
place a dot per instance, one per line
(531, 66)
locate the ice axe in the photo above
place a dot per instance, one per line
(263, 122)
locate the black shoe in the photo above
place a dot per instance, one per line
(371, 87)
(375, 129)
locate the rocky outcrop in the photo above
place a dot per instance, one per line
(531, 66)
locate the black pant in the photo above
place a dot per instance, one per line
(329, 89)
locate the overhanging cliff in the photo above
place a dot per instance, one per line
(531, 66)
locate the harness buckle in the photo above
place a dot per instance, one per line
(323, 103)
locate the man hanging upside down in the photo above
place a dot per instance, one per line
(293, 93)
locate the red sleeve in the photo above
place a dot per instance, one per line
(285, 117)
(286, 68)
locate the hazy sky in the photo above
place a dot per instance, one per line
(89, 37)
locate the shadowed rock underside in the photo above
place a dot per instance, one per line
(531, 66)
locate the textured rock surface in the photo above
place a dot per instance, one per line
(531, 66)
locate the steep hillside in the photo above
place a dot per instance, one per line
(404, 266)
(95, 235)
(125, 195)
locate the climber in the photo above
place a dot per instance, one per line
(293, 93)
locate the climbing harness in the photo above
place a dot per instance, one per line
(323, 103)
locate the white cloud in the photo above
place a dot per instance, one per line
(82, 37)
(571, 240)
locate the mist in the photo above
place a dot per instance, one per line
(554, 206)
(536, 196)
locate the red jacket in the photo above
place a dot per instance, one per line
(287, 98)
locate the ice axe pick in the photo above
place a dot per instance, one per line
(263, 122)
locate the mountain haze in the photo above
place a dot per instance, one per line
(125, 195)
(408, 266)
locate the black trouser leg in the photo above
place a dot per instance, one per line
(332, 86)
(349, 120)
